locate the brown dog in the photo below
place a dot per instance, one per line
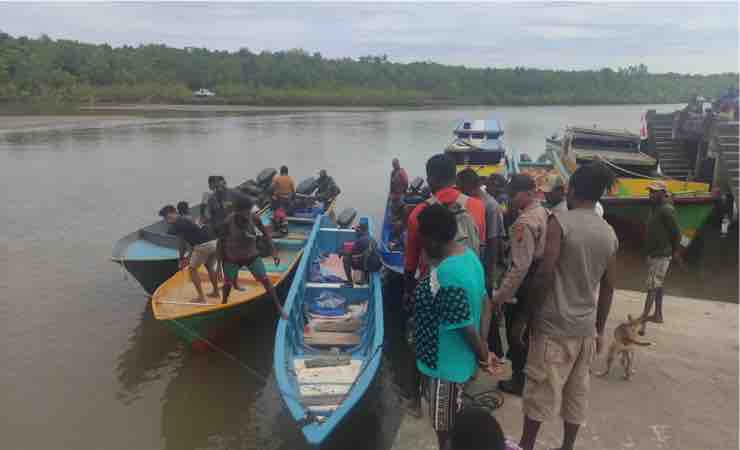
(624, 345)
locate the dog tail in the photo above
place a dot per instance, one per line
(633, 341)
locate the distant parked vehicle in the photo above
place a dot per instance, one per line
(203, 93)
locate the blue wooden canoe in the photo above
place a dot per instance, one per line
(348, 353)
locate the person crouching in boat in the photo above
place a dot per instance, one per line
(237, 248)
(363, 258)
(327, 189)
(203, 249)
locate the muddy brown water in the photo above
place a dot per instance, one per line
(84, 363)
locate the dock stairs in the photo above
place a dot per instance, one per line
(674, 161)
(727, 150)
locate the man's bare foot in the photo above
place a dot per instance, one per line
(214, 294)
(655, 319)
(198, 300)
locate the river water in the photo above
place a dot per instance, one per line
(84, 364)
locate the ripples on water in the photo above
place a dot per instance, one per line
(86, 365)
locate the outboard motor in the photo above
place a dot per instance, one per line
(264, 178)
(303, 194)
(346, 217)
(250, 188)
(416, 193)
(416, 185)
(307, 186)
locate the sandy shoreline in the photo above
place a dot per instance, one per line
(23, 123)
(230, 108)
(134, 115)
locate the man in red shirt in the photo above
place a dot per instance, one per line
(441, 177)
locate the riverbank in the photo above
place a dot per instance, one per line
(30, 123)
(683, 396)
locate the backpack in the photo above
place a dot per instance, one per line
(467, 229)
(370, 259)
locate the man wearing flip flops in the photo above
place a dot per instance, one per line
(663, 243)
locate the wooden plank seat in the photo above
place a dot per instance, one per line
(334, 339)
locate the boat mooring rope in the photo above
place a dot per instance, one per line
(307, 419)
(489, 400)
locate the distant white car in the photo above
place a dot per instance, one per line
(204, 93)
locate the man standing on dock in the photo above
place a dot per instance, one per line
(663, 243)
(470, 184)
(527, 249)
(564, 316)
(453, 313)
(441, 178)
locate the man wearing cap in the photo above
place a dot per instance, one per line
(663, 242)
(527, 249)
(327, 189)
(554, 190)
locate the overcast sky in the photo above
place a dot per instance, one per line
(667, 37)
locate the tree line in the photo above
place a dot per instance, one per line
(71, 72)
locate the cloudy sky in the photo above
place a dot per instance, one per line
(667, 37)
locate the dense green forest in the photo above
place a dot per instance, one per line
(67, 72)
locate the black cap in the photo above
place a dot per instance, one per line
(167, 209)
(521, 183)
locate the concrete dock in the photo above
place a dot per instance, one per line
(683, 396)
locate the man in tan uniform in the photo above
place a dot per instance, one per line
(527, 248)
(565, 316)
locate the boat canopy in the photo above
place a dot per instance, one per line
(479, 129)
(616, 146)
(596, 139)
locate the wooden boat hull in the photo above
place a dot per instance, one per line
(632, 214)
(197, 324)
(201, 330)
(150, 274)
(294, 347)
(627, 206)
(150, 264)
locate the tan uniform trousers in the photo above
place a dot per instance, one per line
(558, 377)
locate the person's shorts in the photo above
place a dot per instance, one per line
(558, 378)
(657, 270)
(256, 266)
(204, 253)
(444, 400)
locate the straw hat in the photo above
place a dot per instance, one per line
(657, 186)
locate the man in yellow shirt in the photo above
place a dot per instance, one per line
(283, 189)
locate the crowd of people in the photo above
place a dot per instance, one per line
(228, 233)
(482, 250)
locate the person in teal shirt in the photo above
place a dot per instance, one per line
(452, 312)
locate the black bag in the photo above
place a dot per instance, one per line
(370, 258)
